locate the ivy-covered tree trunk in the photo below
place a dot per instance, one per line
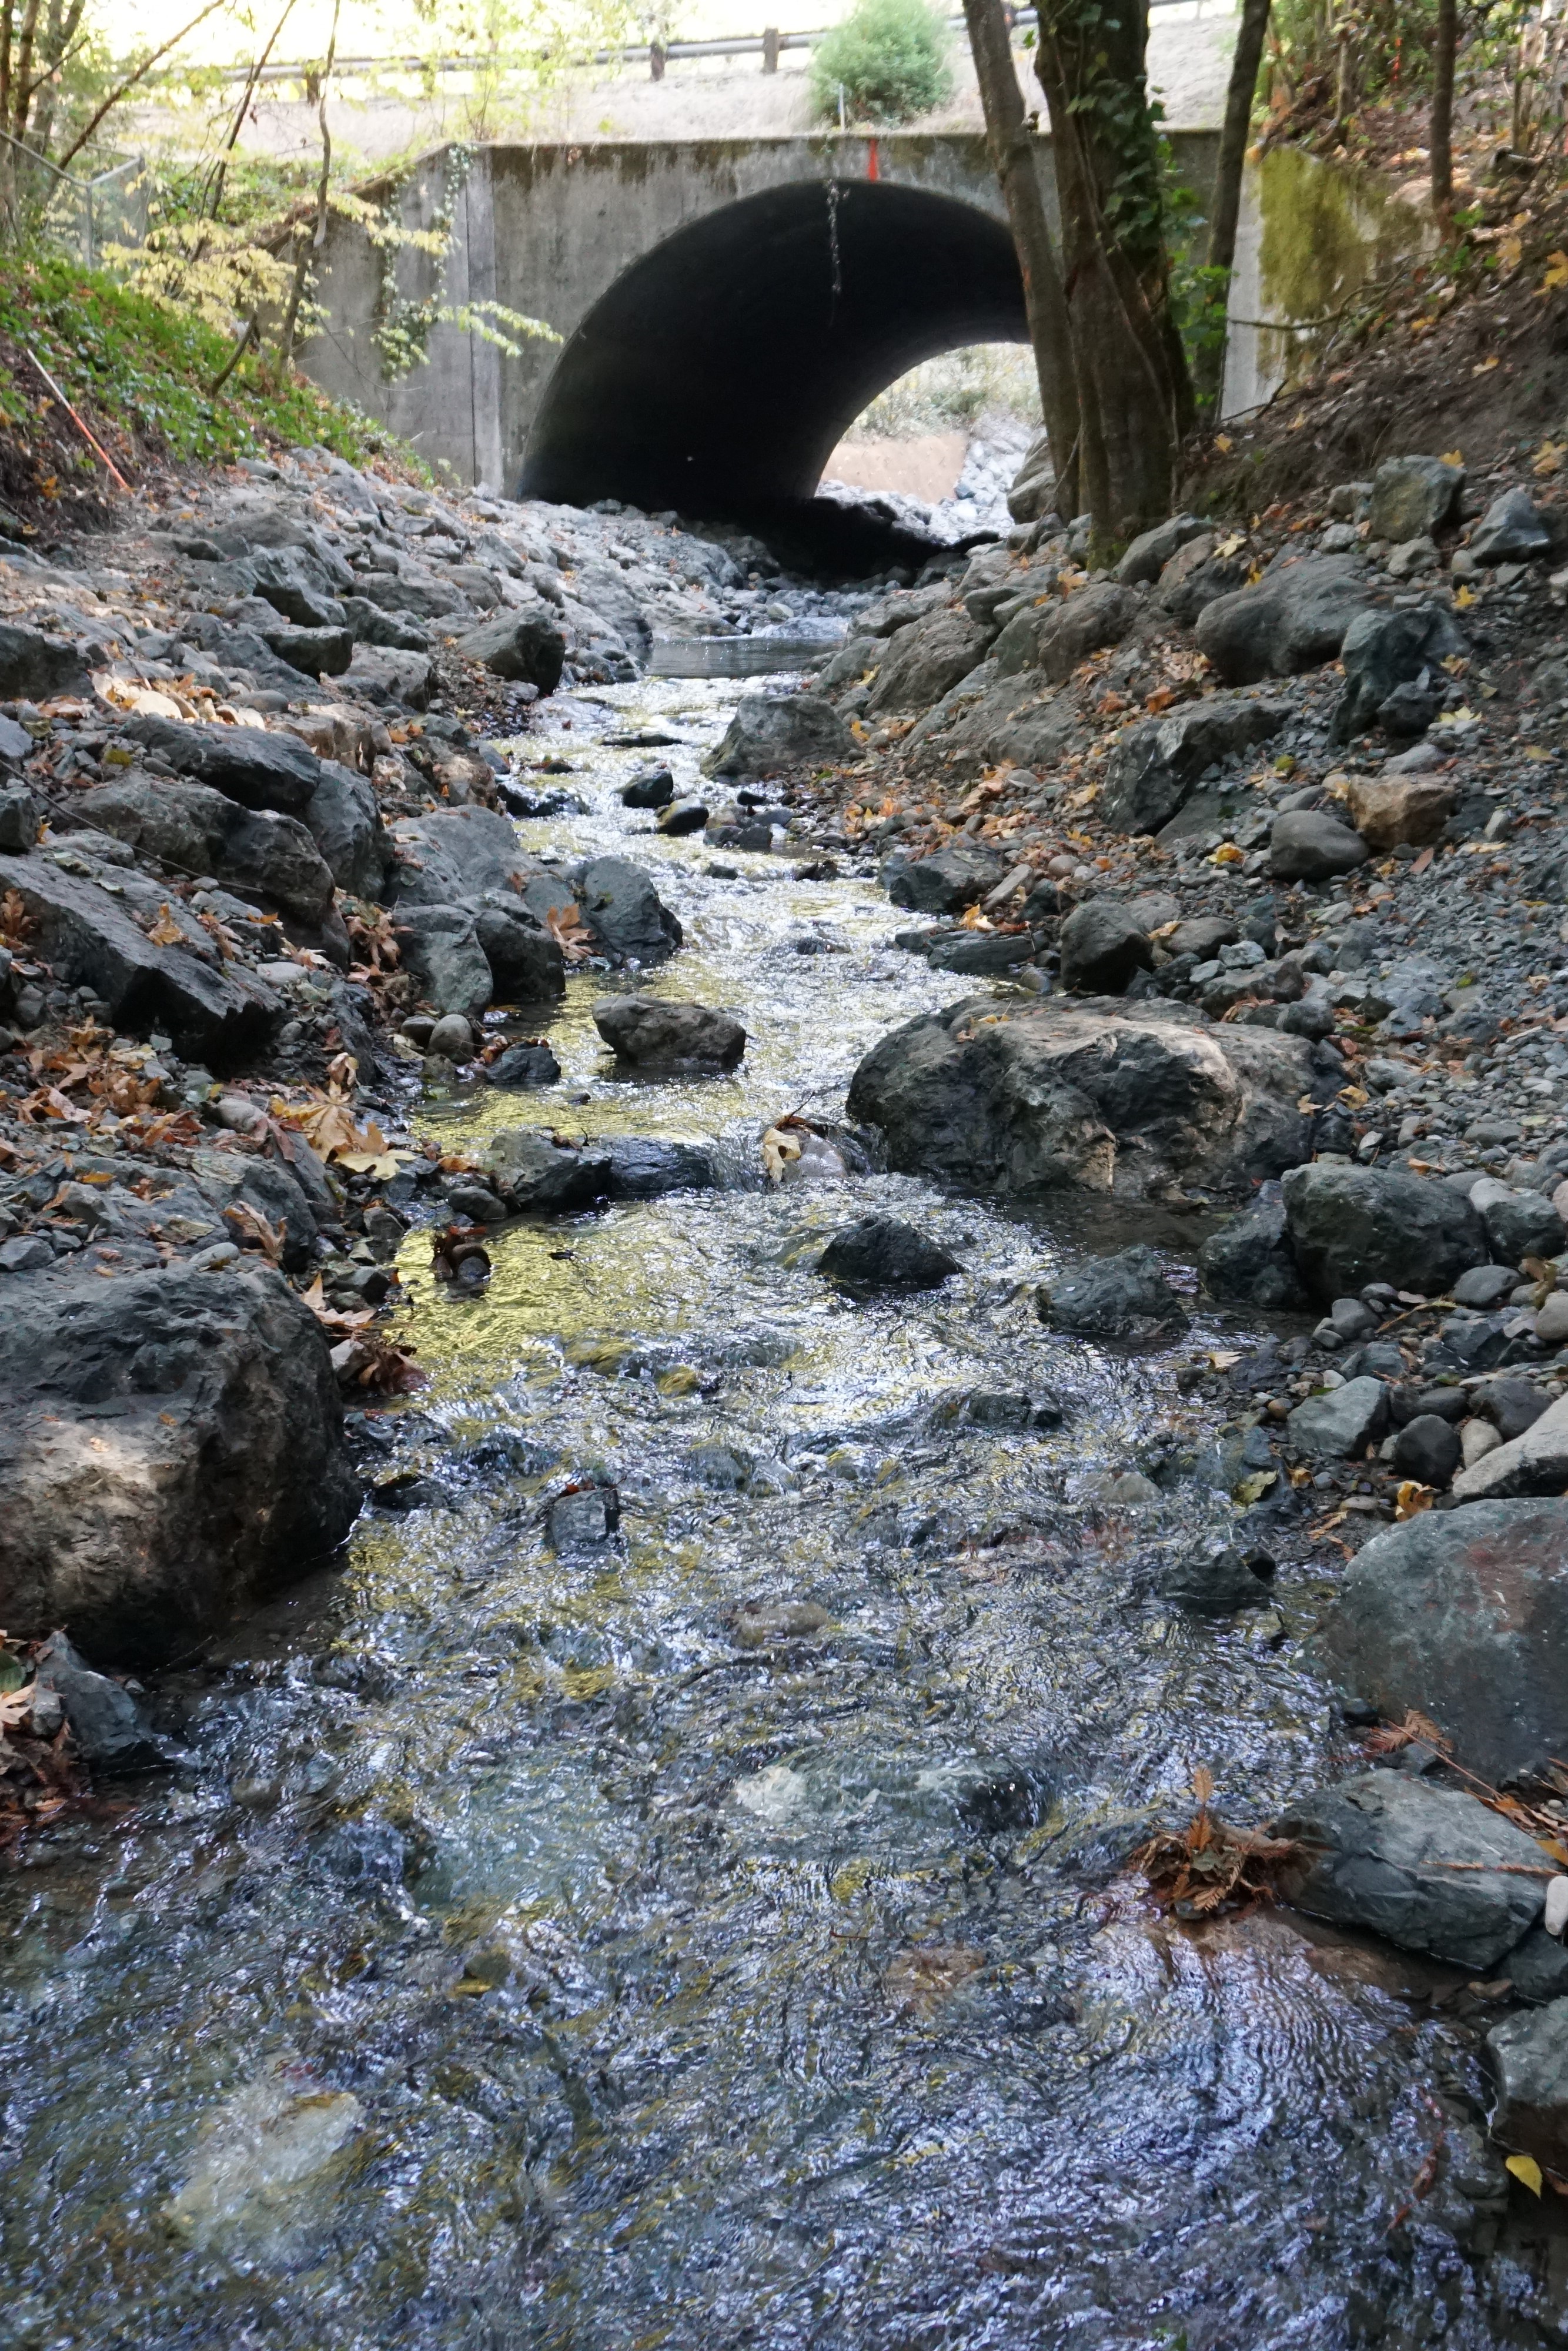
(1011, 147)
(1134, 393)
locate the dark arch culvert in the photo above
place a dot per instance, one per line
(719, 371)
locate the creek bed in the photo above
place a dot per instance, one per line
(522, 1958)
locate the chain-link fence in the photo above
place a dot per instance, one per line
(80, 213)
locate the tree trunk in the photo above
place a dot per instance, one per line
(1244, 65)
(1134, 393)
(1013, 156)
(1441, 141)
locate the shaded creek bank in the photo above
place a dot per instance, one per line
(706, 1927)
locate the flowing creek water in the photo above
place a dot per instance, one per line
(521, 1960)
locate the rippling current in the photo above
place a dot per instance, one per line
(534, 1952)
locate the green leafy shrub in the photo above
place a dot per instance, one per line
(893, 59)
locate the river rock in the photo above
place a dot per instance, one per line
(1534, 1463)
(259, 769)
(440, 946)
(1307, 846)
(946, 881)
(1537, 1968)
(393, 679)
(1294, 618)
(1529, 2058)
(1428, 1448)
(1517, 1224)
(584, 1519)
(922, 662)
(1384, 651)
(1339, 1423)
(1104, 1096)
(1376, 1846)
(1511, 531)
(1123, 1297)
(1464, 1615)
(525, 645)
(1055, 638)
(630, 922)
(528, 1066)
(20, 822)
(1156, 766)
(170, 1443)
(1412, 498)
(460, 856)
(1196, 577)
(526, 965)
(885, 1253)
(1148, 554)
(651, 1028)
(1220, 1580)
(1387, 810)
(108, 1729)
(535, 1174)
(35, 667)
(344, 819)
(1249, 1261)
(772, 733)
(1350, 1225)
(314, 651)
(371, 625)
(649, 1168)
(198, 831)
(1102, 945)
(655, 790)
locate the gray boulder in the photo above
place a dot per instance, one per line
(629, 920)
(314, 651)
(1380, 1853)
(1148, 554)
(1350, 1225)
(528, 1066)
(1032, 492)
(1220, 1580)
(440, 946)
(1156, 766)
(772, 733)
(526, 965)
(395, 680)
(20, 822)
(648, 1168)
(170, 1443)
(1102, 945)
(1428, 1448)
(412, 589)
(651, 1029)
(1529, 2058)
(1198, 577)
(921, 663)
(1534, 1462)
(885, 1253)
(944, 883)
(535, 1174)
(344, 820)
(1128, 1099)
(1412, 498)
(457, 855)
(259, 769)
(1464, 1615)
(369, 625)
(1055, 638)
(197, 830)
(1517, 1224)
(1123, 1297)
(1339, 1423)
(1384, 650)
(1306, 845)
(1293, 619)
(525, 645)
(34, 667)
(1511, 531)
(1249, 1261)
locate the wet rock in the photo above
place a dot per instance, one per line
(1377, 1848)
(1386, 811)
(650, 1029)
(1384, 651)
(453, 1037)
(1055, 638)
(1517, 1224)
(1342, 1422)
(34, 667)
(681, 818)
(1148, 554)
(585, 1518)
(1249, 1261)
(977, 953)
(945, 882)
(526, 646)
(1428, 1448)
(249, 764)
(440, 946)
(1511, 531)
(1537, 1968)
(1464, 1615)
(1293, 619)
(1529, 2057)
(1156, 766)
(1412, 498)
(885, 1253)
(536, 1174)
(646, 1168)
(526, 965)
(1221, 1581)
(528, 1066)
(986, 1409)
(655, 791)
(1310, 846)
(1350, 1225)
(1534, 1463)
(138, 1515)
(769, 734)
(722, 1467)
(629, 920)
(108, 1729)
(1102, 945)
(757, 1624)
(922, 662)
(1123, 1297)
(264, 2148)
(198, 831)
(220, 1017)
(1123, 1098)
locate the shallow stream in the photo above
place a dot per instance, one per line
(533, 1952)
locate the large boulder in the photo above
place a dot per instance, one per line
(1198, 577)
(1102, 945)
(1294, 618)
(197, 830)
(618, 903)
(1519, 1224)
(527, 645)
(344, 819)
(772, 733)
(1380, 1852)
(1156, 766)
(1053, 638)
(170, 1443)
(946, 882)
(527, 964)
(653, 1029)
(1412, 498)
(924, 661)
(1382, 651)
(1350, 1225)
(1249, 1261)
(215, 1013)
(1148, 554)
(1121, 1297)
(1132, 1099)
(34, 667)
(440, 946)
(1464, 1615)
(1534, 1462)
(454, 856)
(260, 770)
(1308, 845)
(1511, 531)
(987, 722)
(393, 679)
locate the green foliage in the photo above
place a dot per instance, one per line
(1200, 296)
(953, 392)
(893, 59)
(143, 369)
(1366, 50)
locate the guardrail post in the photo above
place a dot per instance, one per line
(770, 48)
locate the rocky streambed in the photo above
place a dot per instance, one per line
(668, 1875)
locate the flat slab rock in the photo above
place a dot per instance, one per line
(1464, 1615)
(1380, 1848)
(1097, 1094)
(170, 1443)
